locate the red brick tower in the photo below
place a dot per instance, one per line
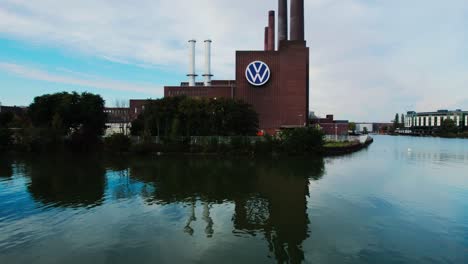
(283, 101)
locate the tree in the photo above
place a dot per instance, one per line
(5, 138)
(5, 119)
(184, 116)
(78, 116)
(365, 131)
(352, 127)
(396, 122)
(306, 140)
(402, 120)
(448, 126)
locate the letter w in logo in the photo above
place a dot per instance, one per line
(257, 73)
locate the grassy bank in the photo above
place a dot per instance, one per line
(346, 147)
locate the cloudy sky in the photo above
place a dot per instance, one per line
(369, 58)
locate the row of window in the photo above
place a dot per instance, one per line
(117, 112)
(432, 121)
(198, 92)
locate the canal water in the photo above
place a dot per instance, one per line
(402, 200)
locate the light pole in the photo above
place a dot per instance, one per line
(336, 132)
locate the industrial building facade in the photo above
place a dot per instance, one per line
(275, 81)
(430, 121)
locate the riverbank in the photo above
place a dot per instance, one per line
(297, 142)
(341, 148)
(463, 135)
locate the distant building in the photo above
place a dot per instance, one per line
(137, 107)
(428, 122)
(365, 127)
(382, 128)
(118, 121)
(330, 126)
(17, 110)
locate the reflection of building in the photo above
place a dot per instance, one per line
(270, 198)
(427, 122)
(330, 126)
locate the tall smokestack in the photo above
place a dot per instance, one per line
(266, 38)
(282, 21)
(207, 74)
(297, 20)
(192, 74)
(271, 30)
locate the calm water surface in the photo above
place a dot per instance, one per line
(403, 200)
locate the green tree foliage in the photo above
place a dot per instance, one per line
(396, 122)
(301, 141)
(5, 119)
(6, 138)
(70, 112)
(352, 126)
(80, 117)
(117, 143)
(365, 131)
(448, 126)
(402, 119)
(184, 116)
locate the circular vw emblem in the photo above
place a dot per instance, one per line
(257, 73)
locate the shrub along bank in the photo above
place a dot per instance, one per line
(300, 141)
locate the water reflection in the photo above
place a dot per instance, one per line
(6, 167)
(269, 196)
(384, 204)
(66, 181)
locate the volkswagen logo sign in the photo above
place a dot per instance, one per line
(257, 73)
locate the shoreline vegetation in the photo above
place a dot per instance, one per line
(460, 135)
(72, 122)
(298, 142)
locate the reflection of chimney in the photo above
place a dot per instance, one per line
(266, 38)
(192, 74)
(282, 21)
(207, 74)
(271, 30)
(297, 20)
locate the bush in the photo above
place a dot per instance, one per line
(117, 143)
(212, 146)
(5, 119)
(6, 138)
(240, 144)
(143, 148)
(39, 140)
(302, 141)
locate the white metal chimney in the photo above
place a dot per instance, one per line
(192, 74)
(207, 74)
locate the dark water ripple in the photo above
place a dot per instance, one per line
(403, 200)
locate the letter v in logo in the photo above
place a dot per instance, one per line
(257, 73)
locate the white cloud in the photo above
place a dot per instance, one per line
(76, 78)
(369, 59)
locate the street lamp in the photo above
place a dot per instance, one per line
(336, 132)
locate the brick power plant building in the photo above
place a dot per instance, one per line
(274, 80)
